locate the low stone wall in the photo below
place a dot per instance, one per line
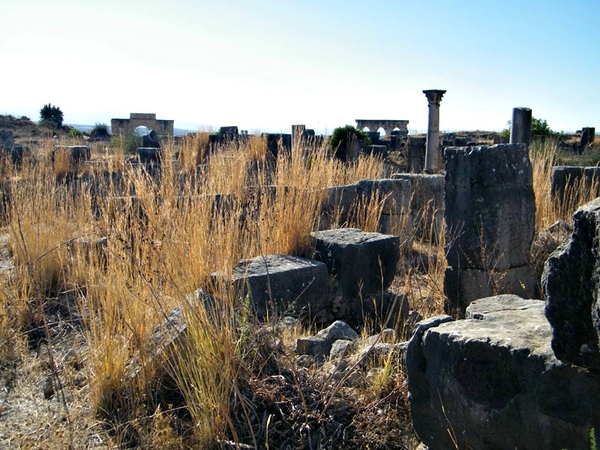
(413, 206)
(565, 179)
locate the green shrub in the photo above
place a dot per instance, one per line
(51, 116)
(342, 135)
(100, 131)
(128, 143)
(75, 133)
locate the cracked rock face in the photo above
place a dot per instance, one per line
(492, 381)
(571, 282)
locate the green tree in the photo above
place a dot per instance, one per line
(540, 129)
(51, 116)
(342, 135)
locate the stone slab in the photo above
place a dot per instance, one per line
(284, 285)
(493, 382)
(363, 262)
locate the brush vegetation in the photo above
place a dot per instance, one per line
(101, 259)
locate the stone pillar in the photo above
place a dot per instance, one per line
(297, 135)
(520, 131)
(490, 222)
(588, 135)
(432, 155)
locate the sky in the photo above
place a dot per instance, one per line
(264, 65)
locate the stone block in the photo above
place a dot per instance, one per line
(75, 153)
(588, 135)
(489, 206)
(340, 199)
(280, 284)
(149, 155)
(7, 140)
(462, 286)
(567, 180)
(395, 194)
(320, 345)
(571, 284)
(426, 203)
(363, 263)
(493, 382)
(150, 140)
(229, 132)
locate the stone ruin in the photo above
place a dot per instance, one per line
(515, 373)
(127, 126)
(490, 222)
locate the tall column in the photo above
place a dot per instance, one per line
(433, 158)
(520, 131)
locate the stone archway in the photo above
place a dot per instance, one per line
(387, 125)
(127, 126)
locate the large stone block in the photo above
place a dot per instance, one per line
(568, 180)
(426, 203)
(464, 286)
(364, 263)
(392, 195)
(489, 206)
(571, 282)
(150, 155)
(280, 284)
(493, 382)
(76, 154)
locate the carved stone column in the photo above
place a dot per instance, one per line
(433, 157)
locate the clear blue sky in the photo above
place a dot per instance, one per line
(265, 65)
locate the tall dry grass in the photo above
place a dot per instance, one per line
(131, 248)
(549, 210)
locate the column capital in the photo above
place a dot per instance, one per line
(434, 96)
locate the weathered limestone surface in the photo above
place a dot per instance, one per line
(472, 284)
(148, 155)
(571, 282)
(150, 140)
(490, 206)
(7, 140)
(520, 131)
(395, 194)
(76, 153)
(565, 179)
(320, 345)
(362, 262)
(284, 284)
(426, 203)
(492, 382)
(490, 217)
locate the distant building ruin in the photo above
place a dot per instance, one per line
(127, 126)
(387, 125)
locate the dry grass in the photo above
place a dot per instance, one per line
(127, 250)
(544, 156)
(127, 261)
